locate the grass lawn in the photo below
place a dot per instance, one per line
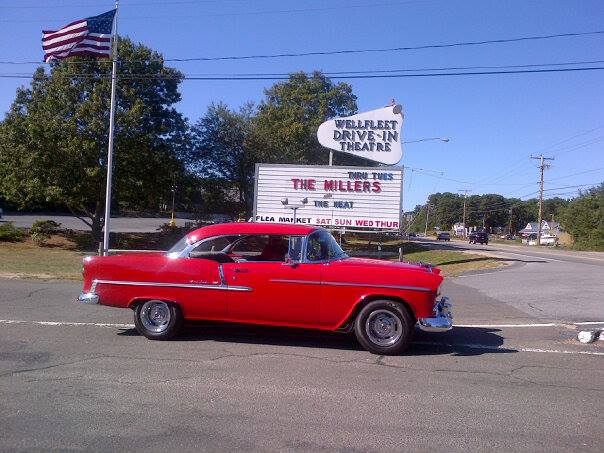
(62, 258)
(451, 262)
(26, 259)
(454, 263)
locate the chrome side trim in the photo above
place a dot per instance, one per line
(173, 285)
(315, 282)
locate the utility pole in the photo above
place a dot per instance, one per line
(465, 195)
(427, 212)
(542, 167)
(510, 222)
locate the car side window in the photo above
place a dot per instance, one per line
(215, 244)
(250, 246)
(273, 247)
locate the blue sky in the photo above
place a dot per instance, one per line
(494, 122)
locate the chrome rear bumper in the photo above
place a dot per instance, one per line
(443, 320)
(88, 298)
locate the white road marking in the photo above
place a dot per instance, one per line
(428, 343)
(510, 348)
(550, 324)
(62, 323)
(495, 326)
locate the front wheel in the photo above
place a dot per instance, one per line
(158, 320)
(384, 327)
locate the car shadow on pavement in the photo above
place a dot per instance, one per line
(460, 341)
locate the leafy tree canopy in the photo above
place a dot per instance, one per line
(53, 141)
(289, 116)
(221, 152)
(584, 219)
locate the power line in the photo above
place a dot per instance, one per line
(516, 164)
(382, 50)
(576, 174)
(335, 73)
(88, 5)
(346, 77)
(397, 49)
(242, 13)
(573, 187)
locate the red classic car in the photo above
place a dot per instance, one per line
(274, 274)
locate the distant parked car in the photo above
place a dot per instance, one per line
(443, 236)
(478, 236)
(412, 235)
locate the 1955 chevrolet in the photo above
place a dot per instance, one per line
(272, 274)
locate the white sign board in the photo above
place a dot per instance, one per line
(374, 135)
(349, 197)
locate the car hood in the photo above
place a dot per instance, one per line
(369, 262)
(383, 272)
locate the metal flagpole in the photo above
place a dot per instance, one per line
(111, 127)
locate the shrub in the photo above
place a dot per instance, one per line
(41, 230)
(9, 233)
(44, 226)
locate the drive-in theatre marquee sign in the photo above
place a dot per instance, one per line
(374, 135)
(353, 197)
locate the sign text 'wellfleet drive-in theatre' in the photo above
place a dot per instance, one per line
(353, 197)
(373, 135)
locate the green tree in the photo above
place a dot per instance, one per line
(221, 153)
(584, 219)
(447, 210)
(288, 118)
(524, 212)
(53, 141)
(553, 208)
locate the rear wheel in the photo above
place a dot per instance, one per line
(158, 320)
(384, 327)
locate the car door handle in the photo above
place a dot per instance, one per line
(240, 271)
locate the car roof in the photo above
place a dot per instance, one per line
(220, 229)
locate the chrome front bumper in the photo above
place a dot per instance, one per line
(88, 298)
(443, 320)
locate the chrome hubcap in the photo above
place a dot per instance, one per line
(155, 316)
(383, 328)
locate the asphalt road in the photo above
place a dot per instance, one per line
(75, 377)
(546, 284)
(118, 224)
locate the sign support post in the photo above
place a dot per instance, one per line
(110, 147)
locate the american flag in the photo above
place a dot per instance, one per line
(90, 36)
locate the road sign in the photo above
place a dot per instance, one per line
(355, 197)
(373, 135)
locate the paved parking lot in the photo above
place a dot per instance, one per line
(79, 377)
(118, 224)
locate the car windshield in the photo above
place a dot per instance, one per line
(179, 246)
(322, 246)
